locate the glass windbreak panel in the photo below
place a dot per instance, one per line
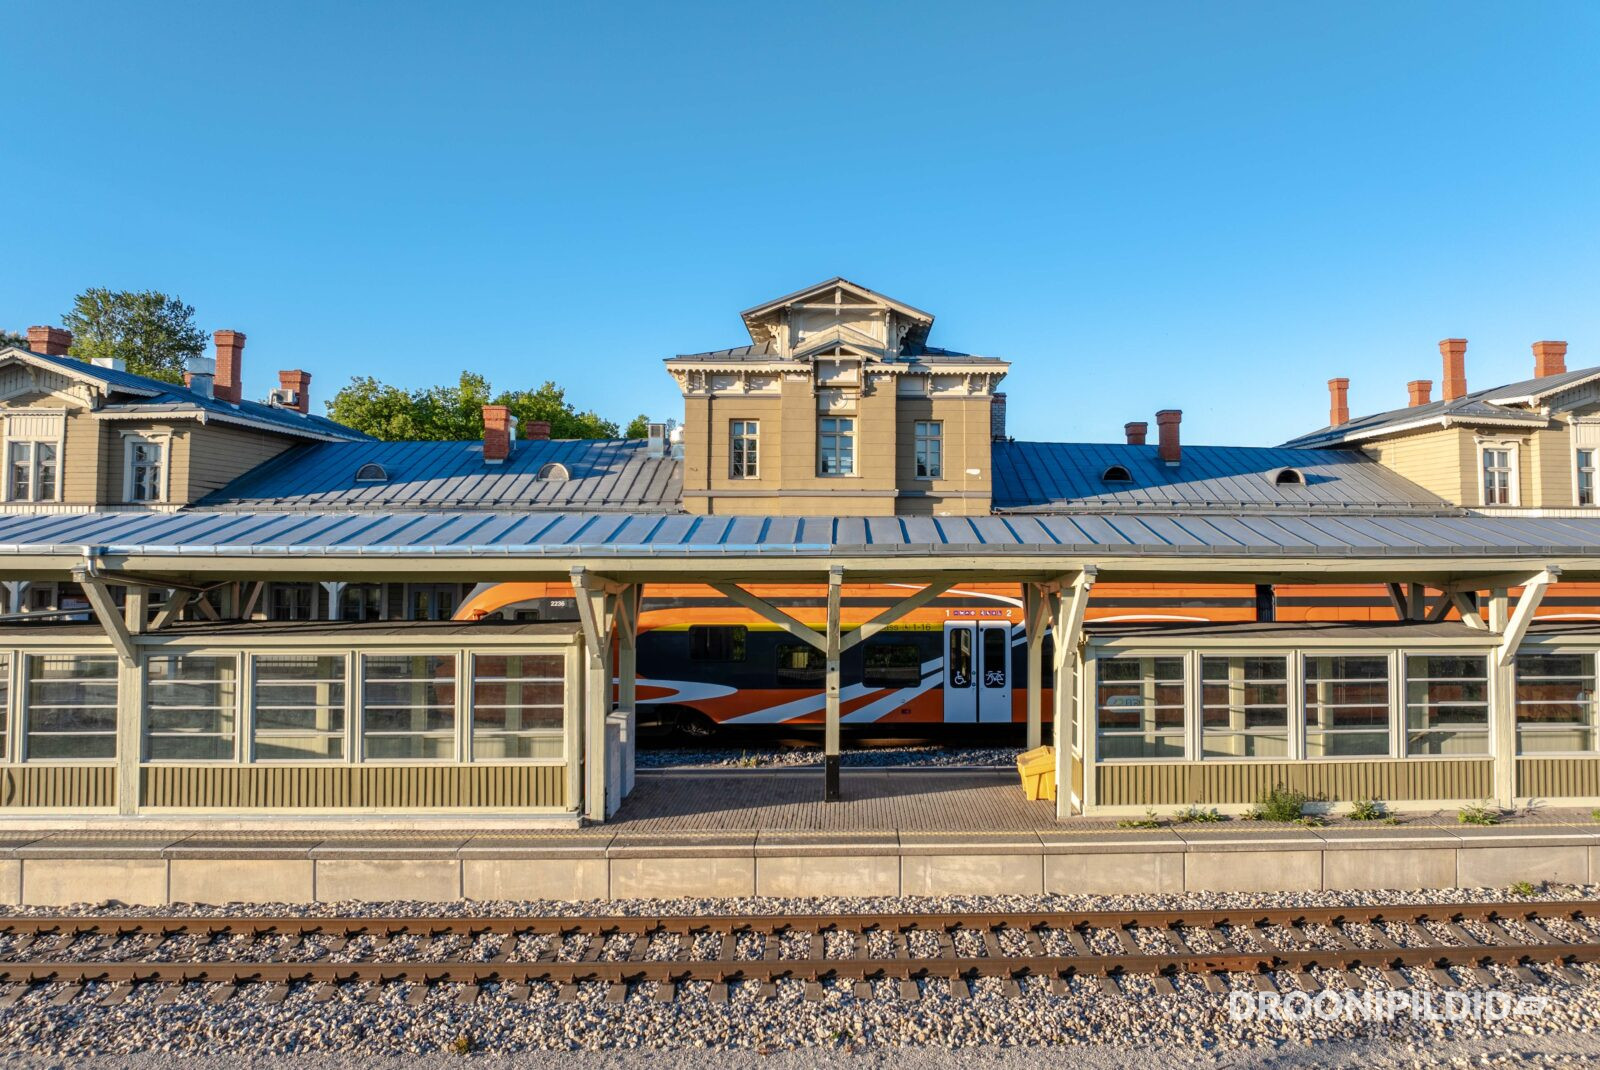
(518, 706)
(71, 706)
(717, 642)
(891, 665)
(408, 707)
(5, 704)
(1347, 706)
(1139, 705)
(1555, 703)
(1244, 707)
(191, 702)
(299, 702)
(1447, 705)
(800, 665)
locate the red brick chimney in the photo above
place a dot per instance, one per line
(300, 382)
(1136, 432)
(497, 433)
(51, 341)
(229, 383)
(535, 431)
(1454, 352)
(997, 418)
(1549, 358)
(1168, 448)
(1420, 391)
(1338, 402)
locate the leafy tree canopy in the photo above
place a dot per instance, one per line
(7, 340)
(455, 413)
(153, 332)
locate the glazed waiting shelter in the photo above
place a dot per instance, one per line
(1465, 699)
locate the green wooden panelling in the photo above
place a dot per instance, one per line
(58, 787)
(1221, 783)
(373, 787)
(1558, 778)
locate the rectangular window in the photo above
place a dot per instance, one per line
(1447, 705)
(891, 665)
(144, 473)
(1585, 461)
(299, 702)
(836, 446)
(291, 601)
(33, 471)
(1244, 707)
(928, 446)
(191, 702)
(518, 707)
(800, 665)
(1555, 704)
(717, 642)
(742, 448)
(958, 657)
(5, 704)
(71, 706)
(996, 644)
(1347, 706)
(408, 707)
(1497, 477)
(362, 601)
(1139, 704)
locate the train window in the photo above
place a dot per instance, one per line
(717, 642)
(995, 642)
(958, 659)
(800, 665)
(892, 665)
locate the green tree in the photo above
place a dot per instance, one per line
(153, 332)
(7, 340)
(638, 427)
(455, 413)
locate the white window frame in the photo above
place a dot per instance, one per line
(248, 746)
(1512, 450)
(751, 431)
(240, 705)
(130, 439)
(1395, 662)
(917, 439)
(850, 434)
(1489, 702)
(1594, 476)
(470, 702)
(459, 752)
(33, 469)
(1593, 655)
(20, 682)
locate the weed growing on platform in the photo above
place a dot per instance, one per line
(1148, 821)
(1595, 814)
(1279, 804)
(1191, 814)
(1478, 814)
(1368, 810)
(1523, 888)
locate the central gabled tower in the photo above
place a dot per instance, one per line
(837, 406)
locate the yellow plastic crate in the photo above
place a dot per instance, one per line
(1037, 768)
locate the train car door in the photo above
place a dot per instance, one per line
(960, 672)
(994, 675)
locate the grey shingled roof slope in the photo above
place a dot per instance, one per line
(605, 474)
(157, 397)
(1489, 406)
(1059, 477)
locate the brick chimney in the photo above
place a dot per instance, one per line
(1168, 447)
(498, 431)
(997, 418)
(1136, 432)
(534, 431)
(51, 341)
(1454, 352)
(1420, 392)
(1549, 358)
(300, 382)
(229, 383)
(1338, 402)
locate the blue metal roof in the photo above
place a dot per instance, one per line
(600, 474)
(1069, 477)
(669, 536)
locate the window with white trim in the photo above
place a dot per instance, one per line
(1556, 712)
(299, 704)
(1244, 707)
(71, 707)
(1499, 475)
(743, 448)
(928, 449)
(1139, 708)
(144, 472)
(408, 707)
(1447, 704)
(1346, 706)
(836, 446)
(33, 471)
(518, 707)
(191, 706)
(1584, 461)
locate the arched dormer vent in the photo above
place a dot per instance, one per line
(371, 472)
(554, 472)
(1116, 474)
(1287, 477)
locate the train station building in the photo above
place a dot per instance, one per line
(220, 608)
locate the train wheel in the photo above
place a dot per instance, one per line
(692, 724)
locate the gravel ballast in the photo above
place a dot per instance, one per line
(1193, 1024)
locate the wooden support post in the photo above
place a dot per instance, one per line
(1499, 610)
(1416, 601)
(594, 612)
(1068, 606)
(335, 589)
(1516, 625)
(628, 602)
(830, 703)
(1035, 619)
(136, 609)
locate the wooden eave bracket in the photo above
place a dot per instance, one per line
(105, 611)
(1533, 592)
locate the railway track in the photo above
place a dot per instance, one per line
(109, 959)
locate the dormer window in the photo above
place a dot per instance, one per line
(371, 472)
(554, 472)
(1116, 474)
(1499, 475)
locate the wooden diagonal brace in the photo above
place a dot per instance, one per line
(105, 610)
(894, 613)
(733, 592)
(1533, 593)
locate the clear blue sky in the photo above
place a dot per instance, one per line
(1209, 206)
